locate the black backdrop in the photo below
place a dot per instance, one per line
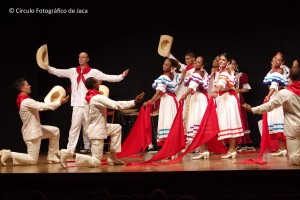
(125, 34)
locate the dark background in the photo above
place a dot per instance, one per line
(125, 34)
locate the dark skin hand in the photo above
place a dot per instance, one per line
(139, 98)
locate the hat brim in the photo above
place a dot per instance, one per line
(55, 94)
(165, 45)
(104, 89)
(42, 57)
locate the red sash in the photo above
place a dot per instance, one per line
(20, 98)
(173, 95)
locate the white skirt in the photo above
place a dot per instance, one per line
(276, 120)
(229, 118)
(166, 115)
(197, 106)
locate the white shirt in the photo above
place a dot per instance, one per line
(79, 90)
(29, 114)
(96, 124)
(291, 106)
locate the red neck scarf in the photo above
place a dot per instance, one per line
(80, 73)
(90, 94)
(20, 98)
(191, 66)
(294, 87)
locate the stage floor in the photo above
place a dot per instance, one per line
(214, 163)
(210, 179)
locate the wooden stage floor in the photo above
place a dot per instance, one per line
(212, 178)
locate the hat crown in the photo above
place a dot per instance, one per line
(55, 94)
(164, 45)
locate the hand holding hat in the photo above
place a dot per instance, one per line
(42, 57)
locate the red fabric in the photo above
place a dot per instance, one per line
(294, 87)
(90, 94)
(20, 98)
(80, 72)
(140, 136)
(191, 66)
(208, 130)
(246, 139)
(264, 143)
(173, 144)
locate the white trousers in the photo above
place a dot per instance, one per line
(293, 148)
(33, 147)
(79, 118)
(115, 133)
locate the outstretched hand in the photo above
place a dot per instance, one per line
(139, 98)
(247, 107)
(64, 100)
(125, 73)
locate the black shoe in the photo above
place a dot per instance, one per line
(85, 151)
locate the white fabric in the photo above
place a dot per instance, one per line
(33, 146)
(197, 107)
(79, 118)
(29, 114)
(229, 119)
(290, 103)
(79, 90)
(97, 127)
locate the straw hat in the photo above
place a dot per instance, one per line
(104, 89)
(55, 94)
(164, 45)
(42, 57)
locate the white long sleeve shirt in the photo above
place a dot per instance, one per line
(96, 124)
(29, 114)
(290, 103)
(79, 90)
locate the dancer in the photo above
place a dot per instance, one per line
(98, 129)
(32, 130)
(276, 80)
(77, 76)
(197, 84)
(289, 100)
(227, 106)
(165, 86)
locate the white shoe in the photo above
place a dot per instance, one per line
(52, 158)
(96, 162)
(229, 155)
(204, 155)
(113, 160)
(5, 155)
(64, 154)
(279, 153)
